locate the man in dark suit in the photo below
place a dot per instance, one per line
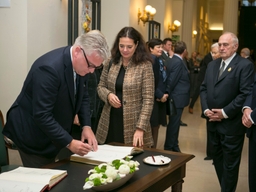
(55, 89)
(167, 50)
(178, 89)
(249, 120)
(226, 85)
(214, 54)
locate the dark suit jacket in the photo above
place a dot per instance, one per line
(227, 93)
(160, 86)
(40, 120)
(164, 58)
(203, 66)
(178, 85)
(251, 102)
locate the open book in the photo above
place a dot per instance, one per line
(30, 179)
(106, 153)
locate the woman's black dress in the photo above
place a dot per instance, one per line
(116, 124)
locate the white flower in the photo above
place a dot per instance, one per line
(124, 169)
(111, 172)
(98, 174)
(88, 185)
(91, 171)
(95, 175)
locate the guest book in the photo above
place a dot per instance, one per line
(106, 153)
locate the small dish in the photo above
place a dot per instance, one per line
(113, 185)
(157, 160)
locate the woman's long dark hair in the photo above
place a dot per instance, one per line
(141, 54)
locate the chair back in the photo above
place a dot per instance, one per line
(4, 159)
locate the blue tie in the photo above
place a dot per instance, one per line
(162, 70)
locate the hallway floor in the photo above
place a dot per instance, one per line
(200, 174)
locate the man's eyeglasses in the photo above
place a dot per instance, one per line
(90, 65)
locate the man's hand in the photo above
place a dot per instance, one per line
(214, 114)
(79, 147)
(87, 134)
(246, 118)
(138, 138)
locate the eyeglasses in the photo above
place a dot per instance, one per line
(90, 65)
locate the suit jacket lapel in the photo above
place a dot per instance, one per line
(69, 75)
(229, 68)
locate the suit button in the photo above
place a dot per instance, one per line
(124, 102)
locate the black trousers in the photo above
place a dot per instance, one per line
(35, 161)
(172, 131)
(226, 156)
(252, 165)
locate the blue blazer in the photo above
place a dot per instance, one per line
(178, 83)
(227, 93)
(40, 120)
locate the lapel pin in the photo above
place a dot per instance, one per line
(229, 69)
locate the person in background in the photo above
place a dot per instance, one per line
(167, 52)
(213, 54)
(194, 68)
(249, 120)
(226, 85)
(55, 90)
(177, 87)
(158, 116)
(245, 53)
(127, 88)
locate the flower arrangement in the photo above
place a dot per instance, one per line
(109, 172)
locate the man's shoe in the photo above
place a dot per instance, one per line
(190, 110)
(207, 158)
(183, 124)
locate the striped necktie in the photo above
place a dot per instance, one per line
(221, 69)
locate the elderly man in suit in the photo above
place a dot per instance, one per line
(56, 88)
(177, 87)
(224, 90)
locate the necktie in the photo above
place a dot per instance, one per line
(221, 69)
(168, 54)
(76, 82)
(162, 70)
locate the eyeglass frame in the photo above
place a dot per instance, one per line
(90, 65)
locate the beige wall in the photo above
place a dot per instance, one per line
(28, 29)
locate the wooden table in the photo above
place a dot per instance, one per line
(148, 178)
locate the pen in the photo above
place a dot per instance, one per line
(162, 161)
(153, 158)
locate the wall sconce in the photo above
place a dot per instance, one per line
(148, 14)
(194, 33)
(175, 26)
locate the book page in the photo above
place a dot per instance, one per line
(105, 153)
(16, 186)
(30, 175)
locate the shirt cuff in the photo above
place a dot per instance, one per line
(224, 114)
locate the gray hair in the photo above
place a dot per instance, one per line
(214, 45)
(246, 51)
(94, 41)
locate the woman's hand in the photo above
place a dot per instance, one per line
(138, 138)
(114, 101)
